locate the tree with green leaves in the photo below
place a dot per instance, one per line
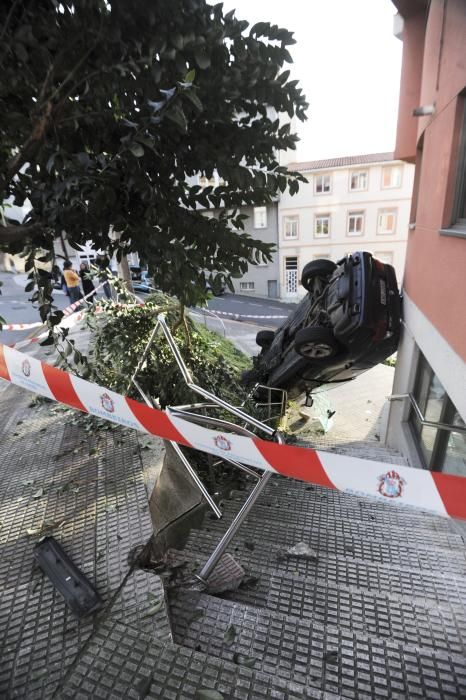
(110, 108)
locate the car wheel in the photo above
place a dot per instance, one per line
(316, 268)
(316, 343)
(265, 338)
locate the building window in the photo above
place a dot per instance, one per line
(322, 184)
(458, 214)
(386, 221)
(260, 217)
(291, 275)
(391, 177)
(355, 223)
(440, 449)
(246, 286)
(358, 180)
(322, 226)
(290, 227)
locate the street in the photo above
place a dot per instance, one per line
(15, 306)
(233, 323)
(250, 306)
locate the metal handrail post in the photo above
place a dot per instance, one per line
(219, 550)
(185, 462)
(144, 356)
(428, 423)
(203, 392)
(262, 482)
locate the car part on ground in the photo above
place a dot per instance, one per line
(348, 322)
(77, 591)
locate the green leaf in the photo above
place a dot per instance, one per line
(194, 99)
(230, 635)
(243, 660)
(177, 115)
(136, 149)
(154, 608)
(208, 694)
(202, 59)
(189, 77)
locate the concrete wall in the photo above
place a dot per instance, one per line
(261, 275)
(338, 203)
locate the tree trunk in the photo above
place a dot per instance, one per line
(64, 248)
(124, 272)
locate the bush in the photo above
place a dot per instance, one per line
(121, 334)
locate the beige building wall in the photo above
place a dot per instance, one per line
(309, 237)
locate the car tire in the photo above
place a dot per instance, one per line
(265, 338)
(316, 343)
(316, 268)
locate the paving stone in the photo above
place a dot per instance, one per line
(319, 518)
(324, 657)
(89, 493)
(341, 542)
(127, 658)
(347, 571)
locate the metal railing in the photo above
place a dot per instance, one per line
(422, 419)
(188, 412)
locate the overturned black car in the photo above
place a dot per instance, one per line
(348, 322)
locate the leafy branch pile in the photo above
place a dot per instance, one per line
(121, 335)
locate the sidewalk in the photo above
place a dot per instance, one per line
(88, 491)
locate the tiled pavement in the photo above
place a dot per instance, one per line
(57, 478)
(378, 610)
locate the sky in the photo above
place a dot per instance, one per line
(348, 63)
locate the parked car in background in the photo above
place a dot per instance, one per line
(348, 322)
(142, 284)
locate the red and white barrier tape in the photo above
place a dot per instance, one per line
(37, 324)
(69, 309)
(66, 322)
(239, 315)
(440, 493)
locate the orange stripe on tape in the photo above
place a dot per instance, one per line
(61, 387)
(452, 490)
(156, 422)
(295, 462)
(4, 373)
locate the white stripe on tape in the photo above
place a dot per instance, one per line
(237, 447)
(105, 403)
(407, 486)
(27, 372)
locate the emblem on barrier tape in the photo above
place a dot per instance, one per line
(26, 368)
(222, 443)
(391, 484)
(107, 403)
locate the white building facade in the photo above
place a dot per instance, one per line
(348, 204)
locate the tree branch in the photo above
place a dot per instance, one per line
(13, 234)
